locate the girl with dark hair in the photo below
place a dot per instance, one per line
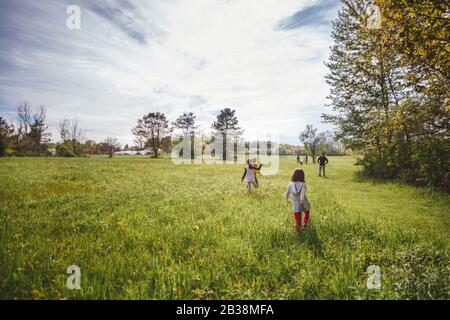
(300, 203)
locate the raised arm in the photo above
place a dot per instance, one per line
(245, 172)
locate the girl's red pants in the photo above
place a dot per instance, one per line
(298, 219)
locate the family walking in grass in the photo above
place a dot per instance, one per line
(296, 190)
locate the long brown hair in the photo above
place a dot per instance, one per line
(298, 176)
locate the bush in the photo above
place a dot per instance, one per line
(423, 164)
(63, 151)
(376, 167)
(10, 152)
(433, 163)
(2, 147)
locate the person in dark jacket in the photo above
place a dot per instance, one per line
(323, 161)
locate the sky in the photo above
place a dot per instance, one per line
(263, 58)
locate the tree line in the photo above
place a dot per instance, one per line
(154, 130)
(316, 142)
(30, 136)
(390, 88)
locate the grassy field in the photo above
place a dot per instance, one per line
(141, 228)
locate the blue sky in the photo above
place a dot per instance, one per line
(264, 58)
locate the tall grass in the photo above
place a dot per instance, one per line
(142, 228)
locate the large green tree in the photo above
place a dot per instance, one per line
(390, 100)
(227, 125)
(186, 123)
(153, 131)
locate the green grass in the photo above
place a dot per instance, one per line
(141, 228)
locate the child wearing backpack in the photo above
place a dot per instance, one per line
(300, 204)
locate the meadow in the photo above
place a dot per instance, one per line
(142, 228)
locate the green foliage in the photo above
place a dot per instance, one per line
(227, 126)
(10, 152)
(317, 142)
(62, 150)
(6, 134)
(227, 122)
(2, 146)
(311, 140)
(143, 228)
(152, 131)
(391, 92)
(32, 136)
(186, 123)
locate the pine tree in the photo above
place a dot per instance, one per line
(226, 125)
(186, 122)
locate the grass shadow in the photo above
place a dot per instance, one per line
(309, 237)
(361, 177)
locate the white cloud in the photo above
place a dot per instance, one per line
(194, 55)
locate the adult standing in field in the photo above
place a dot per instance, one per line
(306, 158)
(323, 161)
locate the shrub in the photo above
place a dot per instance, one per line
(10, 152)
(63, 151)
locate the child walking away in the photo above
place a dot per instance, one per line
(250, 173)
(300, 203)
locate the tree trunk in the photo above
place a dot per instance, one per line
(2, 146)
(313, 153)
(224, 147)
